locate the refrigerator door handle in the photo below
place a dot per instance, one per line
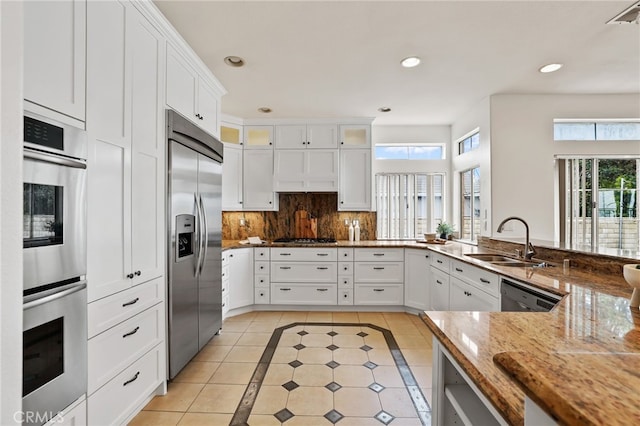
(198, 235)
(204, 234)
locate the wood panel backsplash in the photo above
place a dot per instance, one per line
(272, 225)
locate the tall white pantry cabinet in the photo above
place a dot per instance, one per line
(117, 49)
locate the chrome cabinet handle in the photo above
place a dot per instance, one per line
(285, 267)
(439, 261)
(131, 380)
(378, 267)
(285, 289)
(485, 281)
(459, 270)
(439, 282)
(133, 302)
(131, 333)
(322, 289)
(322, 267)
(378, 254)
(378, 289)
(285, 254)
(322, 254)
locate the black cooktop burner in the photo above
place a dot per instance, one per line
(305, 240)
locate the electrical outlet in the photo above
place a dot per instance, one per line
(242, 221)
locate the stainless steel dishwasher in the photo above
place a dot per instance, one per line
(520, 297)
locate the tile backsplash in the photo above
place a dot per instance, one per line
(272, 225)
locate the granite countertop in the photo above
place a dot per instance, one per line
(580, 362)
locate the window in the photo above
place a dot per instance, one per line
(409, 205)
(595, 130)
(600, 202)
(410, 152)
(470, 204)
(469, 143)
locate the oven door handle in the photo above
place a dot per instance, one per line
(62, 292)
(33, 154)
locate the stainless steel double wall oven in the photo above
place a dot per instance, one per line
(54, 253)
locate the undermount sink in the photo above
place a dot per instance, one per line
(492, 257)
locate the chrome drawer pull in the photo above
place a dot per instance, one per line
(285, 289)
(438, 281)
(459, 270)
(133, 302)
(378, 289)
(378, 254)
(131, 333)
(485, 281)
(285, 267)
(322, 254)
(285, 254)
(131, 380)
(322, 267)
(378, 267)
(322, 289)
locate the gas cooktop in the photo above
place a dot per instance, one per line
(305, 240)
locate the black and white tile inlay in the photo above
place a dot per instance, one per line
(422, 409)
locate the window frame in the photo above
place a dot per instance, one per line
(473, 232)
(442, 147)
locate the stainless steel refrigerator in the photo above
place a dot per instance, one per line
(195, 235)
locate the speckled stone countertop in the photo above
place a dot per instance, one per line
(579, 362)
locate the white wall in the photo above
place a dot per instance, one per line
(476, 118)
(10, 210)
(523, 149)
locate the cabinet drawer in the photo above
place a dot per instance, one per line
(440, 261)
(345, 282)
(345, 254)
(304, 254)
(116, 400)
(261, 296)
(113, 350)
(374, 254)
(261, 267)
(345, 268)
(225, 272)
(261, 280)
(439, 290)
(379, 272)
(484, 280)
(105, 313)
(224, 257)
(465, 297)
(225, 287)
(345, 296)
(306, 272)
(371, 294)
(261, 253)
(74, 415)
(304, 294)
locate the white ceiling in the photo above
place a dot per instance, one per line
(342, 58)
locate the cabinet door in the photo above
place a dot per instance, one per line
(109, 159)
(146, 52)
(322, 170)
(258, 137)
(322, 136)
(416, 279)
(258, 180)
(439, 290)
(291, 136)
(182, 83)
(465, 297)
(232, 177)
(240, 278)
(355, 180)
(207, 108)
(355, 136)
(289, 170)
(54, 55)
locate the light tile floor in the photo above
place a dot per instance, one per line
(360, 386)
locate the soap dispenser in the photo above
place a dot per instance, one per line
(356, 230)
(351, 232)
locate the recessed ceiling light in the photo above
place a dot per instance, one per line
(234, 61)
(550, 68)
(410, 62)
(384, 109)
(265, 110)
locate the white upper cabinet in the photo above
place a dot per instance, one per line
(258, 180)
(355, 180)
(320, 136)
(300, 170)
(125, 125)
(190, 95)
(232, 178)
(258, 137)
(54, 57)
(355, 136)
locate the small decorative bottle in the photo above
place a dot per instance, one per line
(351, 231)
(356, 230)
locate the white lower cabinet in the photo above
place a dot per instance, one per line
(372, 294)
(73, 415)
(439, 290)
(345, 276)
(240, 278)
(378, 276)
(262, 296)
(306, 272)
(225, 282)
(113, 402)
(417, 283)
(304, 294)
(465, 297)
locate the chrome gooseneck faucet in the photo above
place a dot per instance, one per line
(528, 251)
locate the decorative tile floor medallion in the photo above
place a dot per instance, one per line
(333, 372)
